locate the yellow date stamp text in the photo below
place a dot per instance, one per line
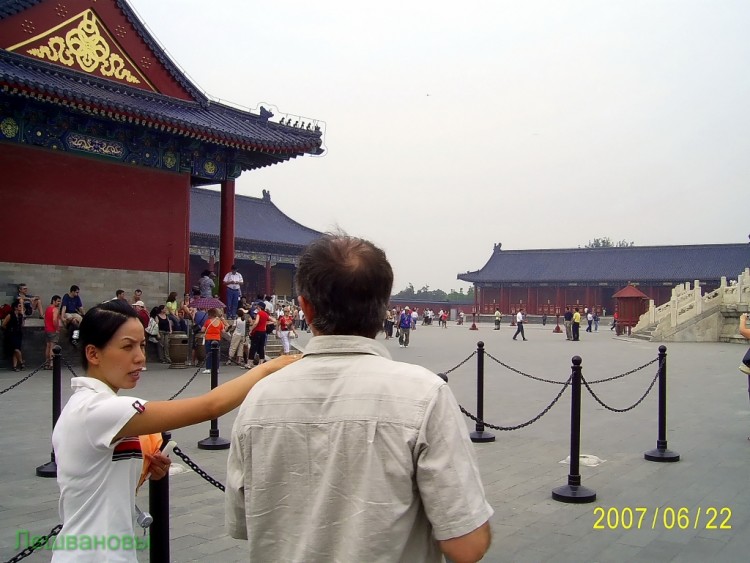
(662, 518)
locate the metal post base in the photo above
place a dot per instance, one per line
(576, 494)
(473, 326)
(663, 455)
(482, 436)
(48, 470)
(214, 443)
(557, 329)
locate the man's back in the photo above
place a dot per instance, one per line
(349, 456)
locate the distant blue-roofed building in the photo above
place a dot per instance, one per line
(546, 281)
(267, 241)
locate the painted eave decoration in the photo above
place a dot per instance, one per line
(99, 59)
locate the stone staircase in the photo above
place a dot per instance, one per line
(692, 316)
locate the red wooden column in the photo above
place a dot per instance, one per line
(588, 298)
(268, 276)
(226, 235)
(559, 302)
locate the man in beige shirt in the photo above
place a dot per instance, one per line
(347, 455)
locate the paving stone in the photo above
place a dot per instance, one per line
(708, 422)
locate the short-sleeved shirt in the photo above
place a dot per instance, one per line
(347, 455)
(262, 322)
(576, 317)
(71, 304)
(97, 478)
(206, 286)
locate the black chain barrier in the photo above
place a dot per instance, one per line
(631, 407)
(197, 469)
(38, 544)
(524, 424)
(624, 374)
(70, 368)
(519, 372)
(474, 353)
(17, 383)
(197, 371)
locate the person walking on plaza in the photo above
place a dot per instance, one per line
(51, 328)
(519, 324)
(390, 320)
(238, 344)
(498, 318)
(589, 320)
(285, 329)
(206, 283)
(258, 334)
(212, 329)
(13, 337)
(348, 455)
(576, 326)
(614, 321)
(404, 328)
(233, 282)
(568, 322)
(596, 322)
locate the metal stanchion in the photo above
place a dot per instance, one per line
(214, 441)
(49, 469)
(661, 453)
(480, 435)
(557, 329)
(574, 492)
(158, 506)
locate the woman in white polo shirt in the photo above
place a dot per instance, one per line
(97, 450)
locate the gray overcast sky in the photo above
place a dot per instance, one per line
(453, 126)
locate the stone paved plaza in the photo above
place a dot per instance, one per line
(708, 425)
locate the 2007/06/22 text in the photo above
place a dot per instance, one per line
(667, 518)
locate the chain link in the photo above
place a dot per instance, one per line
(38, 544)
(197, 469)
(624, 374)
(67, 365)
(474, 353)
(519, 372)
(17, 383)
(197, 371)
(524, 424)
(631, 407)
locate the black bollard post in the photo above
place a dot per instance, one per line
(574, 492)
(158, 506)
(214, 441)
(661, 453)
(480, 435)
(49, 469)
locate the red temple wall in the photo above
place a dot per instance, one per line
(75, 211)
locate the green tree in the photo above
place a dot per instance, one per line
(606, 242)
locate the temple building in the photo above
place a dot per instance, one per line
(268, 243)
(102, 142)
(549, 280)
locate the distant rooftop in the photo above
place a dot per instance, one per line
(613, 264)
(256, 219)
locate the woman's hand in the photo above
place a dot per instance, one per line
(159, 467)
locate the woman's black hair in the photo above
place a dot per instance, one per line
(100, 324)
(154, 311)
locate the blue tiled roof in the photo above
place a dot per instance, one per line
(255, 219)
(616, 264)
(209, 121)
